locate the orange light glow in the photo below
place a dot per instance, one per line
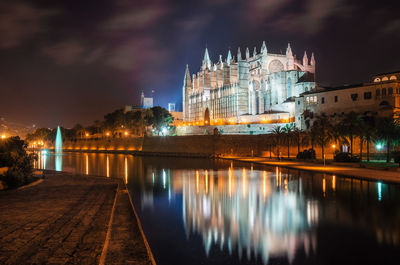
(87, 135)
(126, 133)
(334, 182)
(333, 146)
(323, 185)
(3, 136)
(107, 133)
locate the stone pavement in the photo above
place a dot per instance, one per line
(373, 174)
(63, 220)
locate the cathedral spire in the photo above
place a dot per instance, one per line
(289, 51)
(305, 59)
(312, 62)
(187, 81)
(255, 52)
(239, 55)
(206, 60)
(229, 57)
(263, 47)
(247, 53)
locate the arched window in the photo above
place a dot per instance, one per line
(378, 92)
(377, 80)
(384, 92)
(393, 77)
(390, 91)
(385, 78)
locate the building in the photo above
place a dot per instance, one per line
(146, 103)
(246, 89)
(380, 97)
(171, 107)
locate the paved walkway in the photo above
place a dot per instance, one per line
(383, 175)
(65, 219)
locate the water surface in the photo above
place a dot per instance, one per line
(200, 211)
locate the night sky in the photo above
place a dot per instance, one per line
(64, 62)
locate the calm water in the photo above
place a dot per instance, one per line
(198, 211)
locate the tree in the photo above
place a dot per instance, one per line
(278, 135)
(350, 127)
(322, 128)
(297, 137)
(388, 131)
(288, 135)
(366, 132)
(161, 118)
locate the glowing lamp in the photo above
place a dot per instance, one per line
(333, 146)
(87, 135)
(107, 133)
(3, 136)
(379, 146)
(126, 133)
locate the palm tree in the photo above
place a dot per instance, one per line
(366, 132)
(350, 127)
(388, 130)
(322, 128)
(297, 137)
(278, 134)
(288, 135)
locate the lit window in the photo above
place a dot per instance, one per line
(376, 80)
(385, 78)
(393, 77)
(315, 99)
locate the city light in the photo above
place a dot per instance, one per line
(107, 134)
(3, 136)
(379, 146)
(87, 135)
(126, 133)
(333, 146)
(164, 131)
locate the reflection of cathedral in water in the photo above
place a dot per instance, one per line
(256, 213)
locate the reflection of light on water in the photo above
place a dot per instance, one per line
(244, 182)
(152, 174)
(58, 162)
(126, 170)
(333, 182)
(164, 177)
(87, 164)
(206, 181)
(379, 185)
(197, 181)
(323, 185)
(108, 166)
(264, 222)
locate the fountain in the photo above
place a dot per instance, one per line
(58, 150)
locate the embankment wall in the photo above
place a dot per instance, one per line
(205, 145)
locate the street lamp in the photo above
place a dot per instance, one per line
(3, 136)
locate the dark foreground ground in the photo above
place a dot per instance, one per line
(64, 219)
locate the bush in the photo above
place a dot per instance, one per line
(345, 157)
(14, 156)
(306, 154)
(396, 157)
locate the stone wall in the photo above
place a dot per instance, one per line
(204, 145)
(246, 129)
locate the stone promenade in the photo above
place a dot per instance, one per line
(64, 220)
(372, 174)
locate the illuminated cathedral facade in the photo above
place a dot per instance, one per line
(247, 88)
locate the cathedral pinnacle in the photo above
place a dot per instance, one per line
(247, 53)
(305, 58)
(187, 81)
(312, 62)
(263, 47)
(229, 57)
(206, 60)
(239, 55)
(289, 51)
(254, 52)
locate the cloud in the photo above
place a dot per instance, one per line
(138, 53)
(65, 52)
(137, 17)
(21, 21)
(280, 14)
